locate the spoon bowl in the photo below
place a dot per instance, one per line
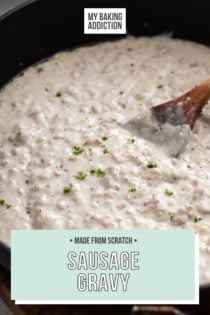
(168, 124)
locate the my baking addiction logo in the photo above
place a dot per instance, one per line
(104, 21)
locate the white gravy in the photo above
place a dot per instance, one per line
(66, 161)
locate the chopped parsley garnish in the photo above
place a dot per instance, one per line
(151, 165)
(98, 172)
(132, 65)
(130, 141)
(140, 97)
(160, 86)
(104, 138)
(133, 189)
(39, 69)
(58, 94)
(4, 203)
(121, 92)
(68, 188)
(80, 176)
(105, 151)
(171, 217)
(92, 172)
(77, 150)
(129, 49)
(168, 192)
(197, 219)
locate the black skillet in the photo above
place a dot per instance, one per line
(34, 29)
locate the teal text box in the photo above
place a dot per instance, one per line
(166, 266)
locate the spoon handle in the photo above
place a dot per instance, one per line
(186, 108)
(195, 100)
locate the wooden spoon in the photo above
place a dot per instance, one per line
(186, 108)
(168, 125)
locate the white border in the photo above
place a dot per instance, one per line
(128, 302)
(104, 302)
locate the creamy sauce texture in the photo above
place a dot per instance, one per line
(66, 161)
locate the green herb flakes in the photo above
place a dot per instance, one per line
(133, 189)
(98, 172)
(140, 97)
(67, 189)
(197, 219)
(168, 192)
(92, 172)
(5, 204)
(80, 176)
(160, 86)
(151, 165)
(130, 141)
(121, 92)
(171, 217)
(58, 94)
(39, 69)
(77, 150)
(104, 138)
(105, 151)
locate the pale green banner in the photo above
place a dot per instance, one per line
(104, 266)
